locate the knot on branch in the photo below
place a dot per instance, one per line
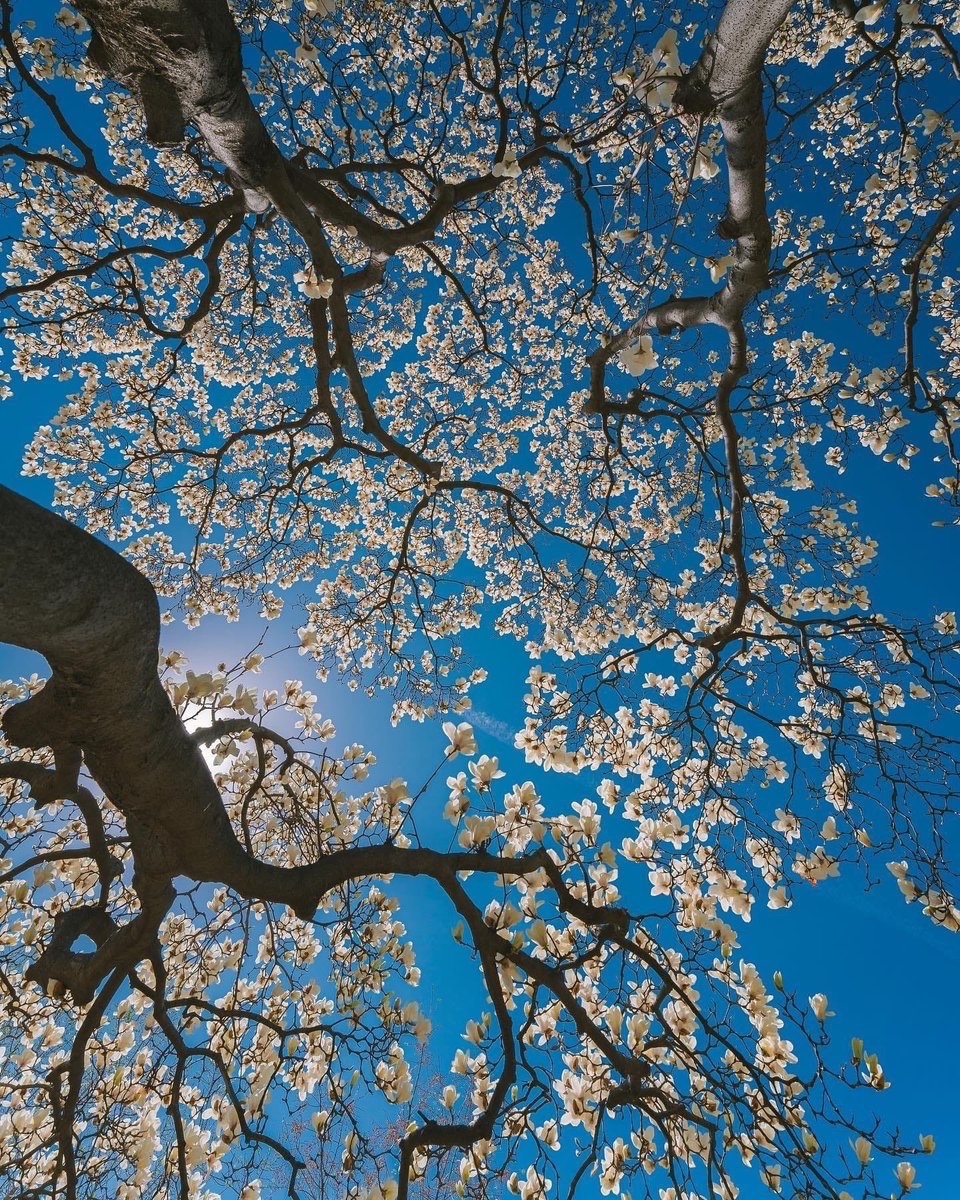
(616, 922)
(730, 229)
(436, 1133)
(630, 1091)
(305, 910)
(60, 968)
(693, 93)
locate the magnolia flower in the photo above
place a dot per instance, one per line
(666, 62)
(484, 771)
(506, 167)
(818, 1003)
(474, 1034)
(533, 1187)
(704, 166)
(666, 50)
(71, 20)
(538, 933)
(478, 830)
(460, 737)
(306, 52)
(906, 1173)
(639, 357)
(778, 897)
(906, 885)
(311, 286)
(874, 1075)
(869, 14)
(862, 1148)
(718, 266)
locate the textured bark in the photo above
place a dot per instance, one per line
(96, 621)
(182, 60)
(725, 80)
(733, 55)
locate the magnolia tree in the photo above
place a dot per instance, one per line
(521, 317)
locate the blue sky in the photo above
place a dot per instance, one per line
(890, 976)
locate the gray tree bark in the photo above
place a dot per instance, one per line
(181, 58)
(726, 80)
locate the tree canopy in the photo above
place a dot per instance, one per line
(553, 331)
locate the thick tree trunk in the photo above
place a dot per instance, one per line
(733, 55)
(182, 59)
(96, 621)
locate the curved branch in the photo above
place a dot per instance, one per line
(726, 80)
(96, 620)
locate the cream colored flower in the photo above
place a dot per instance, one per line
(639, 357)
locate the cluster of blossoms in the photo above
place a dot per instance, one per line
(407, 430)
